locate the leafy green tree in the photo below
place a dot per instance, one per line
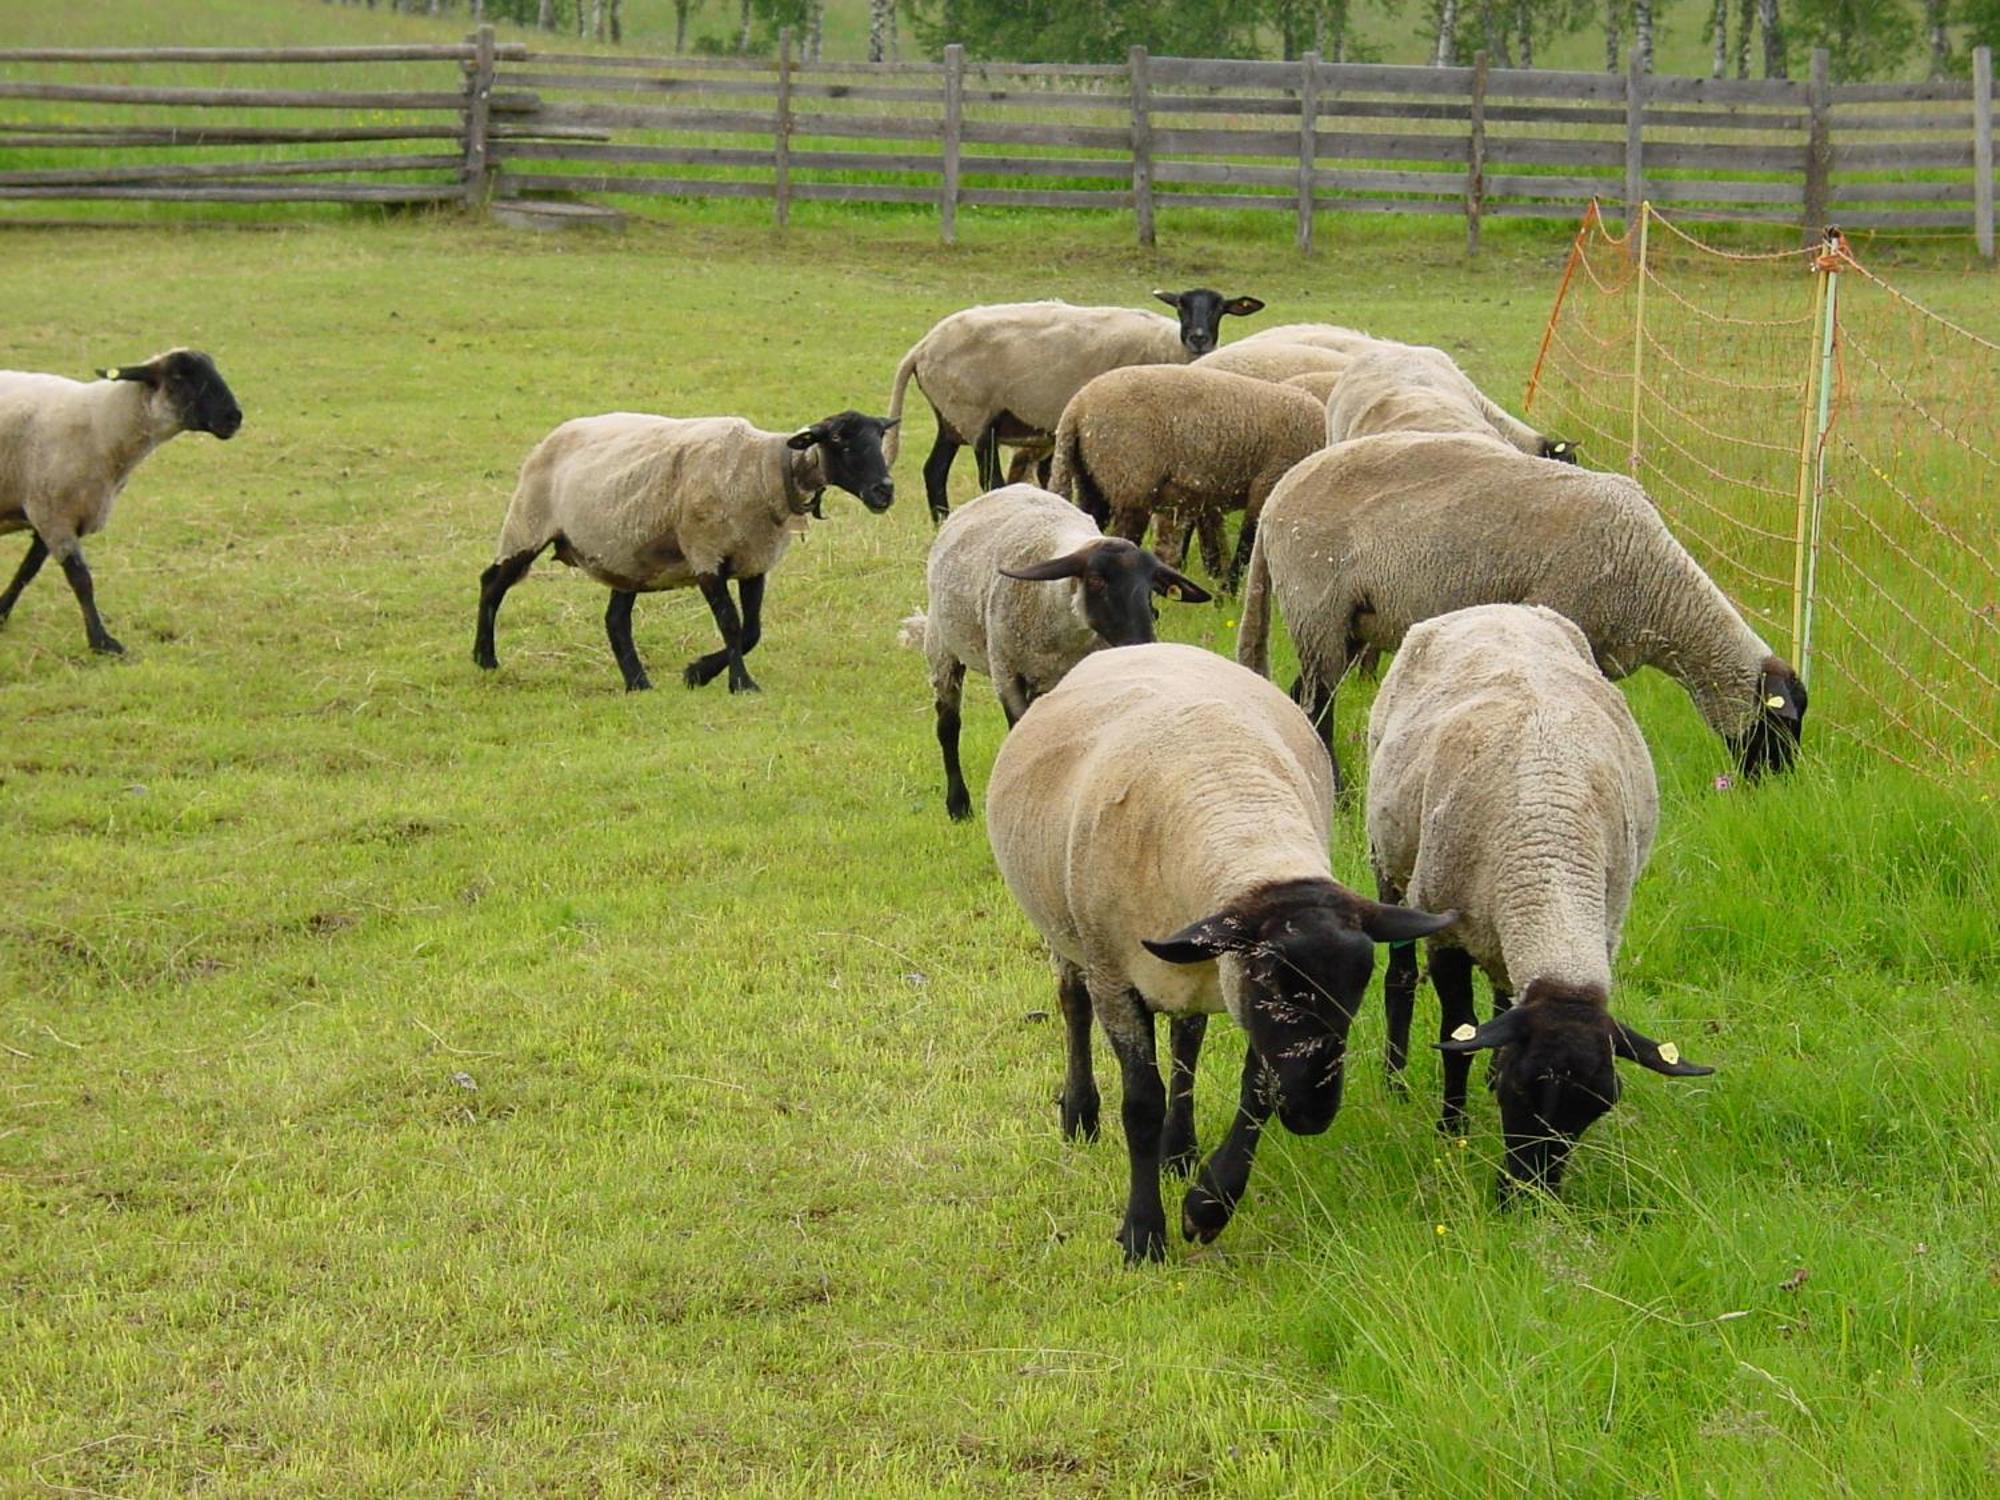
(1085, 30)
(1863, 38)
(1981, 20)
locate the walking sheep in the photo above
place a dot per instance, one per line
(1508, 781)
(991, 608)
(1192, 442)
(644, 503)
(1162, 817)
(67, 447)
(1364, 540)
(1002, 374)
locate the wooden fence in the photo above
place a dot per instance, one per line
(1149, 137)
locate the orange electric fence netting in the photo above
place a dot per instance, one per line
(1826, 447)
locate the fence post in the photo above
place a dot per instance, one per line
(1142, 145)
(781, 134)
(1982, 148)
(1813, 423)
(1308, 146)
(954, 124)
(1635, 140)
(1819, 145)
(1475, 169)
(1644, 212)
(478, 113)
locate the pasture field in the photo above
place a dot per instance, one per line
(416, 1081)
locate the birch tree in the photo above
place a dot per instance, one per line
(880, 13)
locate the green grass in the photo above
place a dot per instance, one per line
(415, 1081)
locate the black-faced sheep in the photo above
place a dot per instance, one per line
(1022, 586)
(1508, 781)
(1162, 817)
(67, 447)
(644, 503)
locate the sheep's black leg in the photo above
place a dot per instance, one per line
(1043, 467)
(1451, 977)
(1177, 1144)
(1129, 1025)
(986, 453)
(1399, 996)
(1208, 531)
(1244, 541)
(1311, 693)
(705, 669)
(715, 589)
(1078, 1100)
(38, 551)
(1503, 1001)
(86, 599)
(937, 472)
(1211, 1202)
(618, 625)
(948, 687)
(493, 586)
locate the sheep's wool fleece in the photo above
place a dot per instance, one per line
(1399, 389)
(645, 502)
(66, 449)
(1508, 780)
(1272, 360)
(1007, 627)
(1155, 786)
(1029, 358)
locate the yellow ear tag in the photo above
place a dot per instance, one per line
(1669, 1053)
(1774, 701)
(1465, 1033)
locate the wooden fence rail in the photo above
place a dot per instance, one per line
(1148, 137)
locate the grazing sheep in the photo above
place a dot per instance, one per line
(1275, 362)
(1363, 540)
(1002, 374)
(1193, 442)
(1318, 384)
(991, 608)
(1162, 817)
(644, 503)
(1407, 388)
(1508, 781)
(67, 448)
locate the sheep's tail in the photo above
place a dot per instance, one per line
(1070, 477)
(911, 633)
(893, 443)
(1253, 638)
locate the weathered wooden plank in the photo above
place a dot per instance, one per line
(1890, 155)
(763, 83)
(1239, 173)
(1452, 205)
(665, 64)
(1209, 72)
(289, 192)
(615, 182)
(1048, 198)
(1956, 191)
(188, 171)
(1283, 201)
(408, 52)
(1702, 156)
(1907, 218)
(1842, 121)
(1721, 190)
(1770, 93)
(1073, 137)
(1503, 185)
(1552, 83)
(1116, 168)
(1385, 180)
(1184, 142)
(1539, 151)
(674, 156)
(649, 117)
(1224, 104)
(865, 192)
(214, 135)
(118, 93)
(1940, 91)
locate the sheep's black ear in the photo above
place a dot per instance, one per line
(805, 437)
(1172, 299)
(1661, 1057)
(1498, 1032)
(1071, 566)
(146, 374)
(1562, 450)
(1178, 586)
(1201, 941)
(1242, 307)
(1399, 924)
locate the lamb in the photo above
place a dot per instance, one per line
(644, 503)
(1406, 388)
(1508, 781)
(1364, 540)
(67, 448)
(991, 608)
(1162, 817)
(1274, 361)
(1002, 374)
(1190, 441)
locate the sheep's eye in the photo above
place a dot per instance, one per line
(1094, 583)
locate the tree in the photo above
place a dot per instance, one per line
(1614, 16)
(1086, 30)
(682, 10)
(1934, 19)
(1863, 38)
(1774, 38)
(1446, 50)
(1745, 24)
(1642, 34)
(1981, 19)
(1718, 36)
(880, 13)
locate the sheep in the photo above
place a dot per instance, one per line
(1162, 817)
(644, 503)
(1508, 781)
(1273, 361)
(1318, 384)
(990, 608)
(1002, 374)
(1407, 388)
(1363, 540)
(1186, 440)
(67, 447)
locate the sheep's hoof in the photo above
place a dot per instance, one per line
(958, 806)
(1079, 1118)
(486, 663)
(639, 684)
(1143, 1242)
(106, 646)
(1181, 1160)
(745, 686)
(1205, 1213)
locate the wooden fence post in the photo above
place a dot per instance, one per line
(781, 136)
(1635, 138)
(478, 113)
(1819, 146)
(1308, 146)
(1142, 145)
(1475, 167)
(954, 124)
(1982, 148)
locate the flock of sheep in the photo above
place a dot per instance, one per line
(1161, 813)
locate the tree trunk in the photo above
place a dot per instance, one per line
(1524, 23)
(1612, 16)
(1774, 38)
(596, 17)
(545, 16)
(1642, 33)
(1718, 25)
(1493, 26)
(1446, 52)
(743, 35)
(878, 29)
(815, 26)
(1744, 15)
(681, 8)
(617, 22)
(1934, 22)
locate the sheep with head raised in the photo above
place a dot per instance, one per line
(1363, 540)
(1162, 817)
(644, 503)
(1022, 586)
(1003, 373)
(1190, 442)
(67, 448)
(1508, 781)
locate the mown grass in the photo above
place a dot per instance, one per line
(423, 1082)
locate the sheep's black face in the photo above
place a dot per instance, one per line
(1201, 313)
(1771, 743)
(1117, 581)
(850, 447)
(194, 388)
